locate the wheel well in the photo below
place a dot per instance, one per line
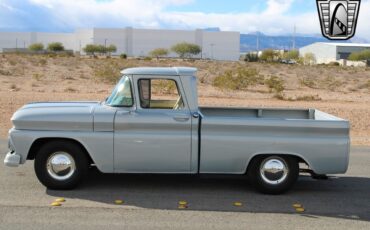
(299, 159)
(36, 145)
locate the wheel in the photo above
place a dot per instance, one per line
(61, 165)
(273, 174)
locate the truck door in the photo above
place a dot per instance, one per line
(156, 136)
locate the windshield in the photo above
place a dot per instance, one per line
(122, 94)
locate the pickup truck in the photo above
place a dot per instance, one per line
(151, 123)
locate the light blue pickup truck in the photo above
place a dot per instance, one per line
(152, 123)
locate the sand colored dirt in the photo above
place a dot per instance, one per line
(341, 91)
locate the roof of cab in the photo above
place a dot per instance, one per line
(183, 71)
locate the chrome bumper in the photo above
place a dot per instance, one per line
(12, 159)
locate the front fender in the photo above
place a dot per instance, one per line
(99, 145)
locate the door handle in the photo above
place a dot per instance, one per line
(181, 118)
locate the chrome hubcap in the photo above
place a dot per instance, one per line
(274, 170)
(61, 166)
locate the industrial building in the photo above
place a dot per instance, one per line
(332, 52)
(218, 45)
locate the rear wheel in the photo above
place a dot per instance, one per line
(273, 174)
(61, 165)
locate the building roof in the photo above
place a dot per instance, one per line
(169, 71)
(345, 44)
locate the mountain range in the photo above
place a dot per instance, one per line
(248, 42)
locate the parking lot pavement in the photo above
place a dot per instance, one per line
(341, 202)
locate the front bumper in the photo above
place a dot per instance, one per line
(12, 159)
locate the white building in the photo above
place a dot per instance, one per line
(332, 52)
(134, 42)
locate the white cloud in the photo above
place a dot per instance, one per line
(275, 19)
(275, 7)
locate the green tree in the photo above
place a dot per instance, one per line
(55, 47)
(90, 49)
(123, 56)
(111, 49)
(269, 55)
(185, 49)
(93, 49)
(291, 55)
(160, 52)
(360, 55)
(36, 47)
(251, 57)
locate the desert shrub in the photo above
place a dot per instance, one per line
(225, 81)
(308, 98)
(275, 85)
(107, 73)
(291, 55)
(186, 50)
(203, 78)
(365, 85)
(308, 82)
(13, 87)
(160, 52)
(250, 57)
(164, 87)
(55, 47)
(279, 96)
(36, 47)
(52, 55)
(331, 83)
(43, 62)
(37, 76)
(360, 56)
(123, 56)
(147, 58)
(12, 62)
(269, 55)
(240, 79)
(333, 63)
(5, 72)
(70, 90)
(309, 59)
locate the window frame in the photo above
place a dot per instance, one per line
(160, 78)
(132, 94)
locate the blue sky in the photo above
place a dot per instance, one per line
(240, 6)
(268, 16)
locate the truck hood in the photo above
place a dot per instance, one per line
(68, 116)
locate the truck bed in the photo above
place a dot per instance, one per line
(231, 137)
(267, 113)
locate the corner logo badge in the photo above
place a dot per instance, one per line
(338, 18)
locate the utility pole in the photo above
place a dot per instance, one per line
(294, 34)
(258, 42)
(105, 46)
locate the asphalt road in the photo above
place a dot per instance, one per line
(151, 202)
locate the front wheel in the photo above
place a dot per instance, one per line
(61, 165)
(273, 174)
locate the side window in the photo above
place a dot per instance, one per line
(160, 94)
